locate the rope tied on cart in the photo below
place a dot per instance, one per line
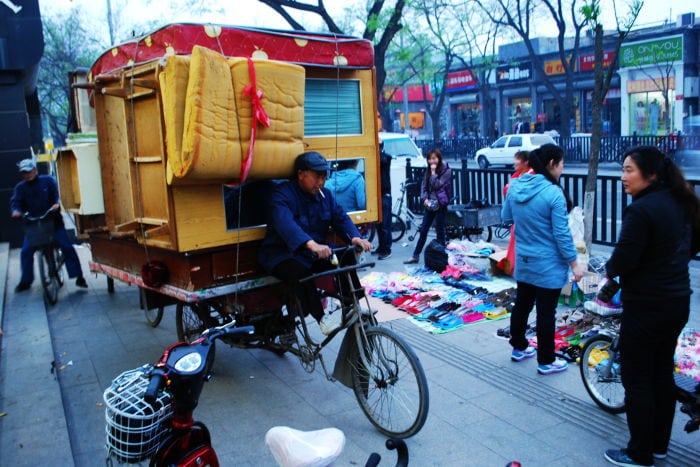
(259, 117)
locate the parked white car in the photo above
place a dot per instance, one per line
(502, 151)
(401, 146)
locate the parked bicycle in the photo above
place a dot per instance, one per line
(375, 362)
(399, 226)
(601, 374)
(40, 234)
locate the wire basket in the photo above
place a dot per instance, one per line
(40, 232)
(134, 429)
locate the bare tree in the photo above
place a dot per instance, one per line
(519, 15)
(602, 78)
(382, 24)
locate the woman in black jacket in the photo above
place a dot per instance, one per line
(657, 239)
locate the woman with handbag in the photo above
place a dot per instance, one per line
(436, 192)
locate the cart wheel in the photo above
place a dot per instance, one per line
(154, 316)
(481, 233)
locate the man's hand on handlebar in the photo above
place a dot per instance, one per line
(318, 250)
(361, 243)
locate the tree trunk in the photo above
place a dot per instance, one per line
(596, 134)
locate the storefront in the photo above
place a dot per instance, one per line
(650, 72)
(464, 110)
(517, 115)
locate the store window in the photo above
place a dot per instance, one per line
(520, 115)
(467, 120)
(648, 114)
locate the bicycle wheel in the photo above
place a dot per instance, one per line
(191, 320)
(398, 228)
(600, 371)
(154, 316)
(481, 233)
(392, 391)
(368, 231)
(49, 274)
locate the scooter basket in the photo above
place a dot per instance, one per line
(134, 429)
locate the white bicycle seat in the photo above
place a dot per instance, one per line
(295, 448)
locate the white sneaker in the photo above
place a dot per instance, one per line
(328, 324)
(601, 308)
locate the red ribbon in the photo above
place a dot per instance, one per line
(259, 117)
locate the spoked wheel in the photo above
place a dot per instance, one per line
(50, 265)
(398, 228)
(600, 371)
(154, 316)
(480, 233)
(368, 231)
(391, 389)
(191, 320)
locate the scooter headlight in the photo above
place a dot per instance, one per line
(190, 363)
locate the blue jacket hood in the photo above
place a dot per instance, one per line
(342, 180)
(527, 187)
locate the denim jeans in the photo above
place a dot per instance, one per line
(428, 218)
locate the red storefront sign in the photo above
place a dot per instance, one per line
(587, 62)
(459, 80)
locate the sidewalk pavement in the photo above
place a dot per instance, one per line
(484, 409)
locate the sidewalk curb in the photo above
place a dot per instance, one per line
(34, 430)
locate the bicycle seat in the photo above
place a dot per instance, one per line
(296, 448)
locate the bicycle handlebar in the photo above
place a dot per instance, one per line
(26, 216)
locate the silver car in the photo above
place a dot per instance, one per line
(502, 151)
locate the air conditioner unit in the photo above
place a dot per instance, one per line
(686, 19)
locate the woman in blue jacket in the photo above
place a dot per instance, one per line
(544, 253)
(436, 192)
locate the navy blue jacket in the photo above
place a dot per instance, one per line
(294, 218)
(36, 197)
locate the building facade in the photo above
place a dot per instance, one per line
(653, 91)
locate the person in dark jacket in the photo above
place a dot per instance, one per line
(436, 192)
(35, 194)
(384, 228)
(659, 235)
(301, 211)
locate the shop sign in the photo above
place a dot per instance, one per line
(553, 67)
(668, 49)
(460, 80)
(587, 62)
(512, 73)
(650, 85)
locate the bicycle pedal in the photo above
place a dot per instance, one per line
(288, 339)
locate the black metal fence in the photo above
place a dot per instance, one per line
(578, 148)
(487, 185)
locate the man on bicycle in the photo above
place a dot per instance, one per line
(300, 213)
(35, 194)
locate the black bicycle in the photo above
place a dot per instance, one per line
(40, 234)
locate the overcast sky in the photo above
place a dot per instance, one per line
(253, 13)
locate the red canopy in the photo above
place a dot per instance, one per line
(299, 47)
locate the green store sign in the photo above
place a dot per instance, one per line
(669, 49)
